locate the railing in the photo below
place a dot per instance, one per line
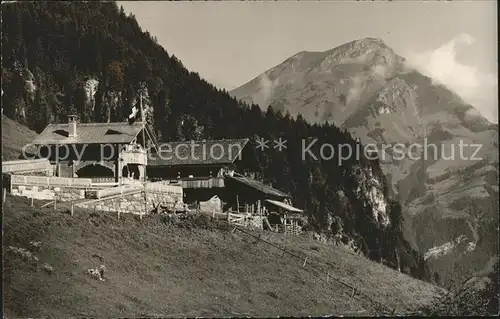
(203, 183)
(51, 181)
(103, 179)
(42, 164)
(120, 190)
(158, 188)
(161, 187)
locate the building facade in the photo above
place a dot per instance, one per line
(107, 151)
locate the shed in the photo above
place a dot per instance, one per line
(284, 217)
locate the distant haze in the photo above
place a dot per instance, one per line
(230, 43)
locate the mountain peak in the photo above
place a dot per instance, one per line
(370, 40)
(364, 44)
(363, 51)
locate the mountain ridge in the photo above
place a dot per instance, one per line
(365, 88)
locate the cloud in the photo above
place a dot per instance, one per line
(355, 90)
(266, 90)
(380, 71)
(473, 86)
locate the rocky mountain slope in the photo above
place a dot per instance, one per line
(324, 86)
(367, 89)
(478, 295)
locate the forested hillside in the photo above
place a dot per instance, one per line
(91, 59)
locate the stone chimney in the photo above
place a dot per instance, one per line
(72, 121)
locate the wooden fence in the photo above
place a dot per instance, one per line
(238, 219)
(322, 269)
(245, 220)
(289, 229)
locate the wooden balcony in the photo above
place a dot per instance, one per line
(212, 182)
(27, 166)
(135, 157)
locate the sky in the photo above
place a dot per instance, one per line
(231, 42)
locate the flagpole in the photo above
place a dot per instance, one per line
(146, 153)
(143, 131)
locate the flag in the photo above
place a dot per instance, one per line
(133, 115)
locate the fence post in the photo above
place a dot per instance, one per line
(145, 201)
(118, 208)
(72, 207)
(259, 212)
(31, 200)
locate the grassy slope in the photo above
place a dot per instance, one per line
(14, 137)
(156, 268)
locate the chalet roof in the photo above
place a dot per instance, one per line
(284, 206)
(266, 189)
(198, 152)
(89, 133)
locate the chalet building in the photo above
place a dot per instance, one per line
(199, 166)
(206, 169)
(109, 151)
